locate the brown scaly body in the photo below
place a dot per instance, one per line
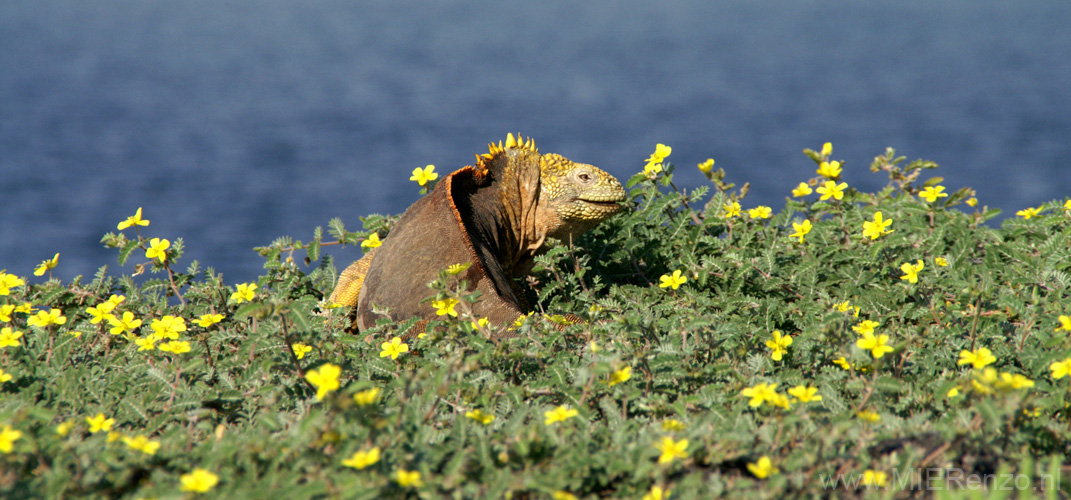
(495, 215)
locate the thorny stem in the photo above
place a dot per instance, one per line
(171, 278)
(684, 201)
(290, 349)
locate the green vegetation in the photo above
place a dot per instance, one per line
(793, 349)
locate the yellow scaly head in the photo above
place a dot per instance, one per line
(573, 197)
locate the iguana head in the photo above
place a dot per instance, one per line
(572, 197)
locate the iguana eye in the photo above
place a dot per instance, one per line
(584, 177)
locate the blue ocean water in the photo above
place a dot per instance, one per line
(235, 122)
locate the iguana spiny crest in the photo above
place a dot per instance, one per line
(496, 215)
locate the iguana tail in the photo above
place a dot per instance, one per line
(349, 283)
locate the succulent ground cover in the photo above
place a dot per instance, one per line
(887, 344)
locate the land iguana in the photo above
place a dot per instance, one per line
(495, 215)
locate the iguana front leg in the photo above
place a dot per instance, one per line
(349, 283)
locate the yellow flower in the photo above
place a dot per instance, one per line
(102, 312)
(517, 323)
(708, 165)
(207, 320)
(115, 300)
(779, 345)
(805, 394)
(672, 424)
(46, 266)
(559, 414)
(157, 249)
(366, 397)
(9, 281)
(300, 350)
(26, 308)
(373, 241)
(6, 310)
(199, 481)
(4, 376)
(654, 162)
(830, 189)
(175, 347)
(481, 323)
(126, 324)
(972, 201)
(563, 495)
(243, 292)
(652, 169)
(424, 175)
(779, 400)
(829, 169)
(362, 459)
(660, 154)
(1028, 213)
(827, 149)
(760, 393)
(142, 444)
(43, 319)
(168, 327)
(941, 262)
(324, 379)
(760, 212)
(656, 493)
(978, 358)
(674, 281)
(801, 230)
(802, 190)
(983, 381)
(874, 478)
(953, 392)
(408, 479)
(146, 343)
(911, 271)
(932, 193)
(393, 348)
(457, 269)
(1010, 382)
(868, 416)
(480, 416)
(100, 423)
(1060, 369)
(865, 327)
(874, 344)
(620, 375)
(763, 468)
(671, 449)
(445, 307)
(9, 337)
(843, 363)
(64, 428)
(662, 151)
(847, 306)
(135, 220)
(876, 228)
(731, 209)
(8, 436)
(1065, 323)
